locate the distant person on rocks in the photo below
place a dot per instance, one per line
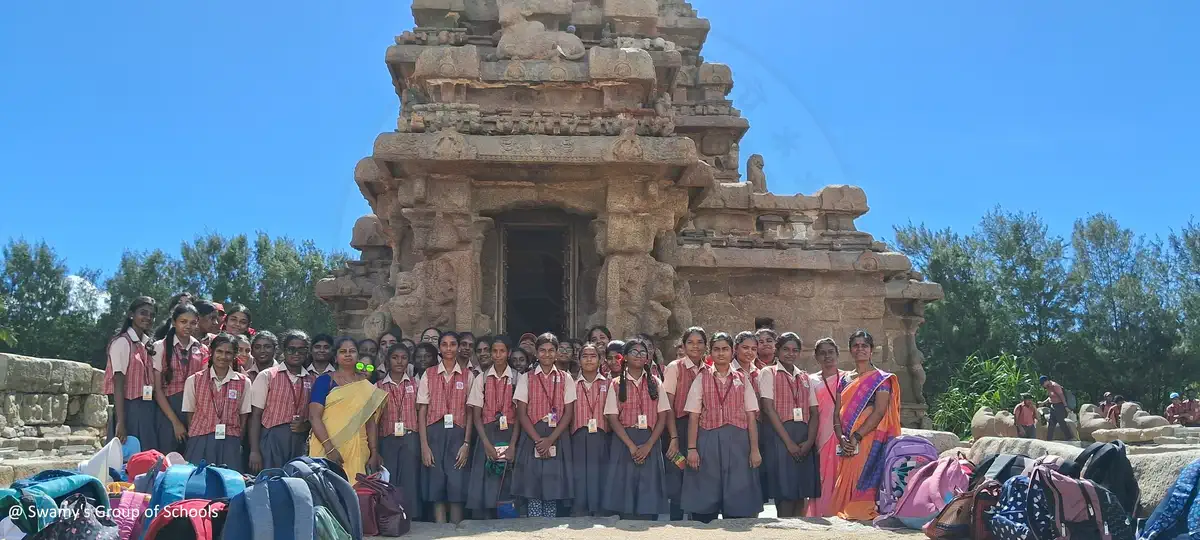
(1193, 407)
(1114, 411)
(1058, 409)
(1106, 403)
(1026, 414)
(1177, 412)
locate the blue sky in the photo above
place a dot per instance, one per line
(137, 124)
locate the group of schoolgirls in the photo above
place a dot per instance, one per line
(211, 394)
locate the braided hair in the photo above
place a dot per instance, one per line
(653, 386)
(137, 303)
(169, 341)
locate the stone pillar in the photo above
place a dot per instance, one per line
(633, 287)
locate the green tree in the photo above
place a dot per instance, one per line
(995, 382)
(39, 308)
(1127, 316)
(1035, 293)
(959, 325)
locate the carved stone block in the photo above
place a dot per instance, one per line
(620, 64)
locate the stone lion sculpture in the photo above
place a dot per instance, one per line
(755, 174)
(523, 39)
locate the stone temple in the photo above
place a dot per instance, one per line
(558, 164)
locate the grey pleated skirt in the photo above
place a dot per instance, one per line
(485, 487)
(548, 479)
(166, 442)
(443, 482)
(636, 489)
(785, 478)
(674, 479)
(402, 458)
(141, 421)
(279, 445)
(589, 456)
(725, 483)
(226, 453)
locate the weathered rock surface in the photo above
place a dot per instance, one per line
(1133, 435)
(942, 440)
(1132, 416)
(1031, 447)
(990, 423)
(1090, 421)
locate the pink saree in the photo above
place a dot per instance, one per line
(826, 444)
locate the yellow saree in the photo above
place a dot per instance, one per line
(858, 476)
(347, 410)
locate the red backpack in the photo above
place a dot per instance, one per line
(198, 519)
(382, 507)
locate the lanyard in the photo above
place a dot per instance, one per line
(212, 396)
(449, 397)
(838, 384)
(729, 388)
(139, 352)
(794, 386)
(541, 377)
(296, 401)
(503, 401)
(397, 403)
(587, 393)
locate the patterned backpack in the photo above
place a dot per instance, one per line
(1048, 505)
(1179, 513)
(903, 456)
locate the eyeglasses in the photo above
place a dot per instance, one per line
(638, 352)
(297, 350)
(364, 367)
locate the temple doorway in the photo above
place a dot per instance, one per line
(537, 282)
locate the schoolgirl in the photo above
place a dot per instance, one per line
(210, 321)
(543, 397)
(613, 353)
(637, 414)
(177, 356)
(389, 337)
(320, 355)
(263, 348)
(600, 335)
(445, 431)
(483, 353)
(745, 347)
(128, 377)
(217, 406)
(399, 443)
(466, 352)
(237, 320)
(279, 423)
(178, 299)
(722, 476)
(431, 335)
(425, 356)
(589, 433)
(491, 402)
(766, 339)
(790, 416)
(519, 360)
(566, 358)
(244, 357)
(369, 348)
(677, 382)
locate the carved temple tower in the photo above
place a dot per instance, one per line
(564, 163)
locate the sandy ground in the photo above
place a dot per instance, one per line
(599, 528)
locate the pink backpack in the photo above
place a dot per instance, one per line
(129, 512)
(930, 488)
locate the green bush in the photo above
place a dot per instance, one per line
(996, 382)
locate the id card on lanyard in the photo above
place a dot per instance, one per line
(219, 411)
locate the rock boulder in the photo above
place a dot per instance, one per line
(1090, 421)
(989, 423)
(1132, 416)
(1156, 473)
(942, 440)
(1033, 448)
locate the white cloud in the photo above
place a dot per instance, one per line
(86, 296)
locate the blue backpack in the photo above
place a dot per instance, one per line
(45, 491)
(189, 481)
(274, 506)
(329, 488)
(1179, 514)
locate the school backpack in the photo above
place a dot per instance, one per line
(1048, 505)
(329, 487)
(1000, 467)
(1178, 513)
(274, 506)
(328, 527)
(44, 492)
(189, 481)
(382, 507)
(1107, 465)
(965, 516)
(128, 513)
(189, 519)
(903, 456)
(79, 519)
(1069, 400)
(142, 462)
(930, 488)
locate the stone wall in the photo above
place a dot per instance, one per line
(48, 409)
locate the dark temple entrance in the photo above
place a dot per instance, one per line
(537, 292)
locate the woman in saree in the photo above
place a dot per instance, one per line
(342, 408)
(869, 419)
(828, 385)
